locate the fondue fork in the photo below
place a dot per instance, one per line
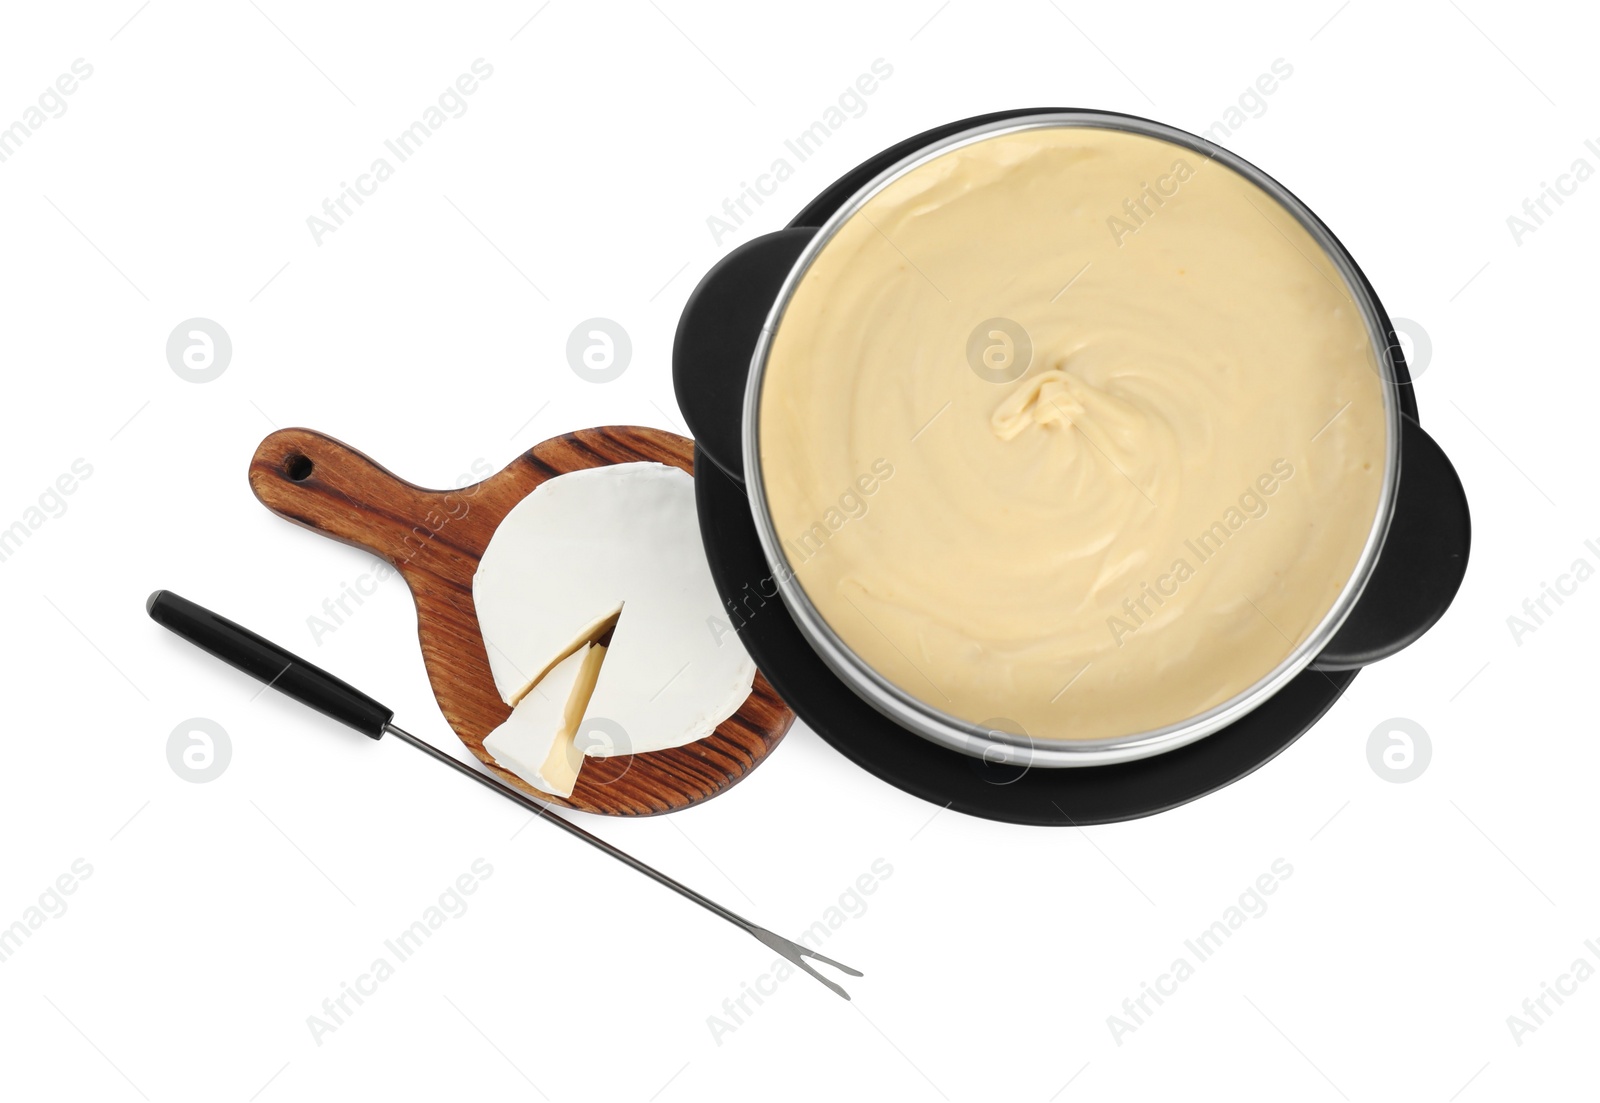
(312, 686)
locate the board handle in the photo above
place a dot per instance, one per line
(329, 487)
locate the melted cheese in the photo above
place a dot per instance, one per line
(1142, 517)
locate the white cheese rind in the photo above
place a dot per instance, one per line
(525, 742)
(567, 556)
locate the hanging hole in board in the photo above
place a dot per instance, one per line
(298, 467)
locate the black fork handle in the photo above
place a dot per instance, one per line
(265, 661)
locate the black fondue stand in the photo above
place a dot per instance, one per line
(1416, 576)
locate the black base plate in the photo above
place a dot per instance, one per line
(1053, 797)
(1060, 796)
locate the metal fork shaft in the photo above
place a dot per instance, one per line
(571, 828)
(790, 950)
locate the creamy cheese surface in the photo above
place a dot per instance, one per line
(1072, 430)
(616, 547)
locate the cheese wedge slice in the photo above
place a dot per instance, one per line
(536, 742)
(613, 545)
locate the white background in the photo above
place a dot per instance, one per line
(431, 328)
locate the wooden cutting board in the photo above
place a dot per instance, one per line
(434, 538)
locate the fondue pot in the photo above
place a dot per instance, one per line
(1409, 570)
